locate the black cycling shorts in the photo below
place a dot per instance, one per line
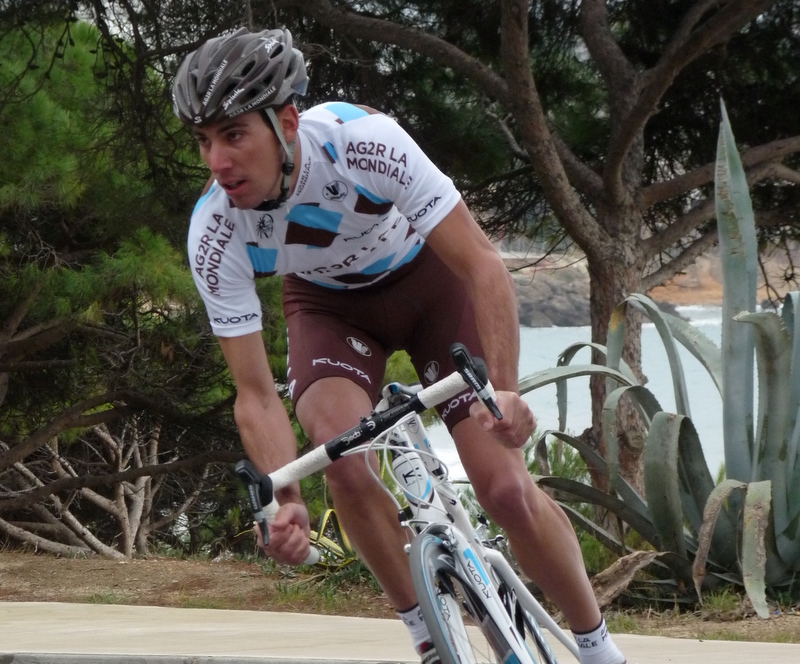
(421, 308)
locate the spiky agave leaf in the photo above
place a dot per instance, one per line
(773, 350)
(737, 241)
(662, 489)
(561, 386)
(713, 508)
(616, 339)
(776, 412)
(625, 491)
(574, 491)
(555, 374)
(791, 534)
(705, 351)
(754, 537)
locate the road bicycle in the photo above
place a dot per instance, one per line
(458, 571)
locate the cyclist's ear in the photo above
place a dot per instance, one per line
(289, 118)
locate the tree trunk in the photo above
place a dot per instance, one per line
(611, 281)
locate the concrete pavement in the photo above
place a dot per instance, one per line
(52, 633)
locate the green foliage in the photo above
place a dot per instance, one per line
(399, 369)
(94, 301)
(712, 534)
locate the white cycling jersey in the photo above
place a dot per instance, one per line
(366, 197)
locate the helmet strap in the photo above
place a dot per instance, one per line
(288, 163)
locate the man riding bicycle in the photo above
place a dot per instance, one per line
(378, 253)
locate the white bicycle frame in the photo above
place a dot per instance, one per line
(436, 505)
(433, 500)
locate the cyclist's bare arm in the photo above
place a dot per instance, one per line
(465, 249)
(268, 439)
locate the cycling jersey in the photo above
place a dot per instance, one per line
(365, 198)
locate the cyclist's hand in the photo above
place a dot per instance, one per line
(288, 535)
(517, 424)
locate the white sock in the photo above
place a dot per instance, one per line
(597, 647)
(416, 626)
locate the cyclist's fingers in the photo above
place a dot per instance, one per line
(289, 546)
(288, 514)
(517, 424)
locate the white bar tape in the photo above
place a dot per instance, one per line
(299, 469)
(443, 390)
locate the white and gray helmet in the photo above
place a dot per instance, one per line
(242, 72)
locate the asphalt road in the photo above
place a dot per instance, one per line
(52, 633)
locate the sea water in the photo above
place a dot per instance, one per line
(541, 346)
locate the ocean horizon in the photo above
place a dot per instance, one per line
(541, 346)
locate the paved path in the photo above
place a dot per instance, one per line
(52, 633)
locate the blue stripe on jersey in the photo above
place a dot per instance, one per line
(203, 198)
(315, 217)
(326, 284)
(346, 112)
(373, 197)
(331, 151)
(263, 260)
(379, 266)
(409, 256)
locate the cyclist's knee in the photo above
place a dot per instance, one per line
(350, 477)
(329, 407)
(512, 501)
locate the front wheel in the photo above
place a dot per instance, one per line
(445, 596)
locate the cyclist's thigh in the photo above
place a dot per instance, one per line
(446, 317)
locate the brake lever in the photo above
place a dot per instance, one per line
(476, 375)
(259, 491)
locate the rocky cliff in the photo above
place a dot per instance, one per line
(556, 292)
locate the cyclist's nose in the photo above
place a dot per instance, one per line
(217, 158)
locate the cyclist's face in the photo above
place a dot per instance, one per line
(244, 156)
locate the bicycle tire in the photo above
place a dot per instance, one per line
(440, 582)
(526, 624)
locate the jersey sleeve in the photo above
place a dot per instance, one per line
(379, 153)
(223, 273)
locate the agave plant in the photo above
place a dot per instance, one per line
(746, 529)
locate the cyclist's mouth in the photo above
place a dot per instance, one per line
(233, 187)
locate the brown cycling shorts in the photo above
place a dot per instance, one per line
(421, 308)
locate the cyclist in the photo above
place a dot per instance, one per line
(378, 253)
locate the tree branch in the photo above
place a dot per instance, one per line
(787, 174)
(38, 337)
(662, 191)
(35, 365)
(350, 23)
(42, 543)
(686, 258)
(536, 137)
(27, 498)
(19, 312)
(700, 214)
(72, 417)
(615, 69)
(689, 43)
